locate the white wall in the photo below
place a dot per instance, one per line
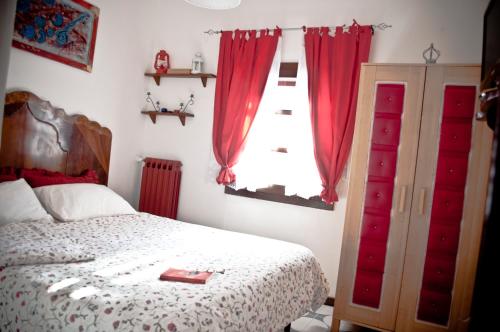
(129, 35)
(7, 11)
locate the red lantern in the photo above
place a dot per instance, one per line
(162, 62)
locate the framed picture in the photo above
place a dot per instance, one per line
(61, 30)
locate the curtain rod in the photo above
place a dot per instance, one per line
(381, 26)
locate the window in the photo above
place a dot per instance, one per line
(278, 161)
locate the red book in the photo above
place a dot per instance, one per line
(193, 277)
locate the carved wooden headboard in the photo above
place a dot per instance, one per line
(37, 135)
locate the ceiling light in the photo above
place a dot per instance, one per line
(215, 4)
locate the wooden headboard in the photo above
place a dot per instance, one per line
(37, 135)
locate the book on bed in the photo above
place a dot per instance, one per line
(194, 277)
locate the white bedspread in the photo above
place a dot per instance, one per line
(266, 284)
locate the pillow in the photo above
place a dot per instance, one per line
(40, 177)
(77, 201)
(7, 174)
(19, 203)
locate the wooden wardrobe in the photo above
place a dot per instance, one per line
(417, 191)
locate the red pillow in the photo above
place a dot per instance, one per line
(7, 174)
(28, 172)
(39, 177)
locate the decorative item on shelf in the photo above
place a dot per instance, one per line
(156, 106)
(181, 113)
(162, 62)
(196, 67)
(431, 54)
(183, 106)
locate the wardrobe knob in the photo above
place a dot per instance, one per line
(381, 163)
(378, 195)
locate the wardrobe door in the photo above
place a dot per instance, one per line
(448, 204)
(378, 204)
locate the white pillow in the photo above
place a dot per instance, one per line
(77, 201)
(18, 203)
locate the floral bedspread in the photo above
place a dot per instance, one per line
(265, 284)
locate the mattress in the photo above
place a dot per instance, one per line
(102, 274)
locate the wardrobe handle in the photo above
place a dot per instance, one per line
(402, 199)
(421, 202)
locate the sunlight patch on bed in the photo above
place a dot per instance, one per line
(112, 270)
(84, 292)
(62, 284)
(139, 276)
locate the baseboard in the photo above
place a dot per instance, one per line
(330, 301)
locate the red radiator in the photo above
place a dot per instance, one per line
(160, 186)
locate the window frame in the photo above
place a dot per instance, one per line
(276, 193)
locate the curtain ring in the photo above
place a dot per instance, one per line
(304, 28)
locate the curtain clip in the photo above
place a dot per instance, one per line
(277, 31)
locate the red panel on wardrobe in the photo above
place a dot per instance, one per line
(390, 98)
(455, 136)
(379, 194)
(439, 273)
(447, 204)
(367, 288)
(434, 306)
(451, 169)
(386, 130)
(382, 163)
(375, 228)
(443, 239)
(459, 101)
(371, 256)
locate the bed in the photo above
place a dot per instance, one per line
(111, 281)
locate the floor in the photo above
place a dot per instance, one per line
(320, 321)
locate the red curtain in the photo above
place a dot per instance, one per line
(244, 64)
(333, 66)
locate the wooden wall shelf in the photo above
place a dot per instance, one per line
(181, 115)
(202, 76)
